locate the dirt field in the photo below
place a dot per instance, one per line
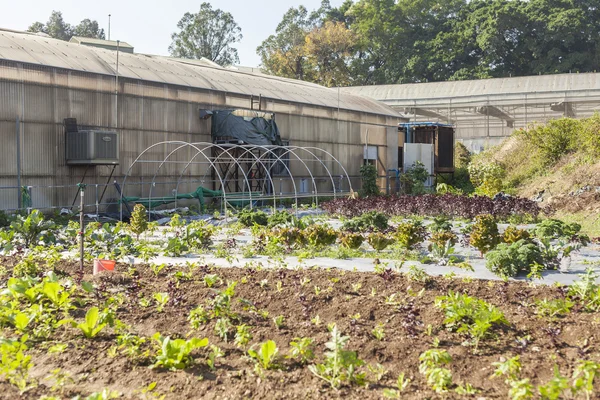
(411, 323)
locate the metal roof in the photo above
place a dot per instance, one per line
(34, 49)
(537, 84)
(102, 42)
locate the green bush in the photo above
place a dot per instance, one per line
(462, 156)
(279, 218)
(138, 223)
(486, 176)
(440, 238)
(379, 241)
(414, 178)
(4, 220)
(368, 175)
(253, 217)
(369, 220)
(513, 234)
(320, 235)
(351, 240)
(410, 233)
(508, 260)
(554, 229)
(484, 233)
(556, 138)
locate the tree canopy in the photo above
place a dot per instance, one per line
(401, 41)
(208, 33)
(57, 28)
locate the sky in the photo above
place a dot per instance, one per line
(147, 25)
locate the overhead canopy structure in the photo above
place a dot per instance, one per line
(238, 175)
(487, 110)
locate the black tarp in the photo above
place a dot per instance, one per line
(251, 129)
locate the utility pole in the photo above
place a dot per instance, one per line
(108, 26)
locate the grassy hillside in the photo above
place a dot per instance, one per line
(559, 163)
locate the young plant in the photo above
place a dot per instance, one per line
(242, 336)
(302, 349)
(431, 362)
(553, 308)
(584, 376)
(351, 240)
(222, 327)
(266, 356)
(161, 300)
(470, 315)
(92, 325)
(379, 241)
(15, 364)
(215, 352)
(401, 384)
(175, 354)
(484, 234)
(410, 233)
(138, 223)
(340, 365)
(211, 280)
(378, 332)
(279, 321)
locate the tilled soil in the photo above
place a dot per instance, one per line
(411, 325)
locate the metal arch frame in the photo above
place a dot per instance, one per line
(210, 146)
(165, 160)
(289, 171)
(249, 150)
(337, 161)
(286, 167)
(213, 161)
(324, 166)
(172, 142)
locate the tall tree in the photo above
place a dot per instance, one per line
(90, 29)
(329, 49)
(403, 41)
(283, 53)
(57, 28)
(209, 34)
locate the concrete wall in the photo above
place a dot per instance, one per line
(145, 113)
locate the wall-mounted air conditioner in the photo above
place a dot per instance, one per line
(92, 147)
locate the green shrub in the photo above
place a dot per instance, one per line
(292, 237)
(139, 220)
(278, 218)
(368, 175)
(554, 229)
(379, 241)
(508, 260)
(470, 315)
(486, 176)
(440, 223)
(351, 240)
(484, 233)
(554, 139)
(513, 234)
(320, 235)
(371, 220)
(33, 228)
(410, 233)
(414, 178)
(462, 156)
(440, 238)
(4, 220)
(253, 217)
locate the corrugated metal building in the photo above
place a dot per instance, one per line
(149, 99)
(485, 111)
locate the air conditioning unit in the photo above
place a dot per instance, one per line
(92, 147)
